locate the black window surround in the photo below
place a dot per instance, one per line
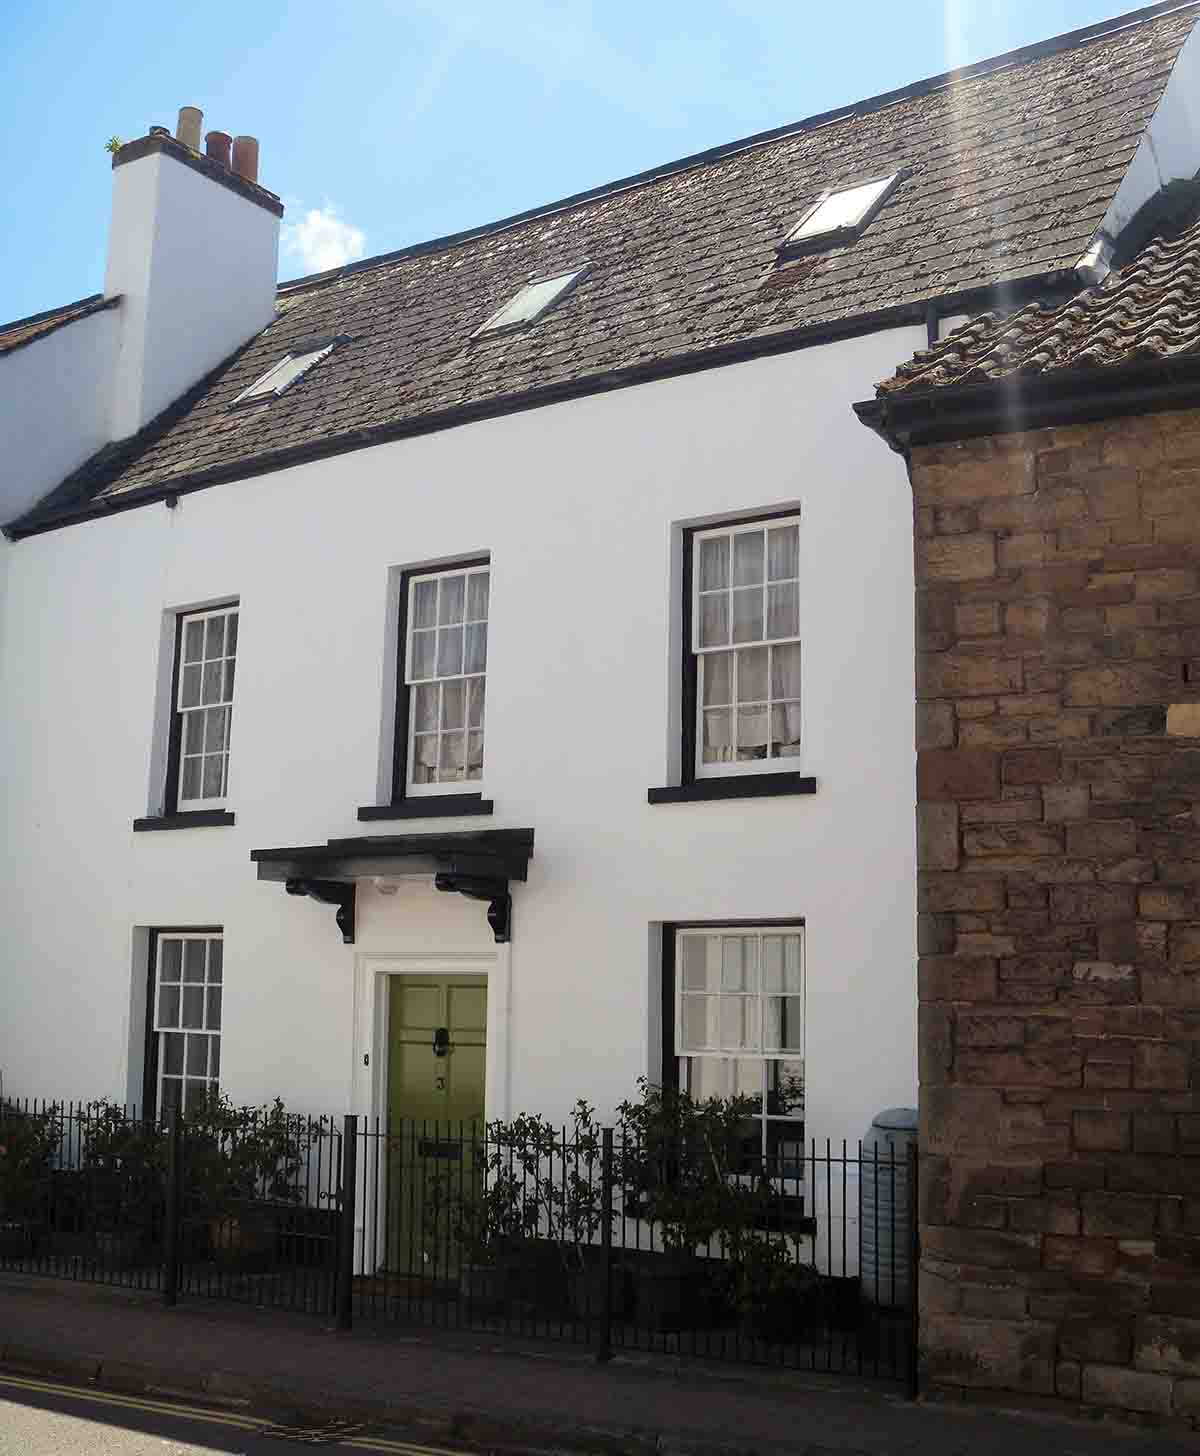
(189, 818)
(691, 788)
(404, 805)
(150, 1045)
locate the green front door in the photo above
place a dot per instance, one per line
(436, 1050)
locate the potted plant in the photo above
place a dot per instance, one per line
(241, 1169)
(29, 1141)
(122, 1168)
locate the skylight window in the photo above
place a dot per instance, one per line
(280, 376)
(531, 302)
(838, 216)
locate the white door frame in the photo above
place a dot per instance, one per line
(369, 1075)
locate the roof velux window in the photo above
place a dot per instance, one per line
(280, 376)
(839, 216)
(531, 302)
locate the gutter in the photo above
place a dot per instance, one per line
(1033, 402)
(1003, 296)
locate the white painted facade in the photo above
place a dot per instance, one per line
(580, 506)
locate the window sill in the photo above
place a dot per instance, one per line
(743, 786)
(193, 819)
(429, 806)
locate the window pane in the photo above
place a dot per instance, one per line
(197, 1056)
(783, 552)
(477, 596)
(189, 692)
(213, 995)
(450, 651)
(193, 960)
(171, 1091)
(752, 734)
(699, 1017)
(194, 1098)
(785, 730)
(425, 707)
(424, 650)
(214, 728)
(451, 757)
(168, 1006)
(748, 558)
(783, 609)
(785, 1089)
(739, 1022)
(214, 777)
(425, 751)
(714, 563)
(216, 958)
(231, 631)
(714, 620)
(214, 639)
(784, 1029)
(700, 966)
(190, 783)
(424, 604)
(785, 671)
(752, 675)
(705, 1077)
(193, 732)
(474, 755)
(748, 1077)
(229, 667)
(748, 615)
(739, 963)
(716, 747)
(214, 1061)
(717, 668)
(450, 600)
(170, 959)
(172, 1053)
(193, 1008)
(213, 681)
(475, 655)
(454, 704)
(475, 693)
(193, 641)
(793, 964)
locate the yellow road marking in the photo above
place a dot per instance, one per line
(202, 1413)
(133, 1402)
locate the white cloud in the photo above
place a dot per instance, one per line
(321, 240)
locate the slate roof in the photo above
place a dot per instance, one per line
(24, 331)
(1148, 310)
(1012, 166)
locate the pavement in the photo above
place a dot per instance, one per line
(432, 1388)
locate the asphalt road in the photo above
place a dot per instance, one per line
(44, 1418)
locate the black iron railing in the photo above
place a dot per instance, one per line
(601, 1237)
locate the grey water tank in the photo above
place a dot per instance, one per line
(885, 1219)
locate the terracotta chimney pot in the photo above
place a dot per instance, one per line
(245, 157)
(217, 144)
(187, 128)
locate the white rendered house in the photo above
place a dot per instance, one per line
(509, 640)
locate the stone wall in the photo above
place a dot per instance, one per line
(1058, 678)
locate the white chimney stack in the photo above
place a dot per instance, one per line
(193, 252)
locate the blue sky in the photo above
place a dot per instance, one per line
(383, 122)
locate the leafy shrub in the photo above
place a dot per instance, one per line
(28, 1144)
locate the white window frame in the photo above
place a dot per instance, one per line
(413, 683)
(840, 232)
(283, 374)
(510, 316)
(733, 768)
(730, 1056)
(210, 1079)
(216, 802)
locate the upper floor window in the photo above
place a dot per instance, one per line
(205, 658)
(441, 710)
(743, 647)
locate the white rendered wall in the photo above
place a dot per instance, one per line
(194, 263)
(54, 407)
(580, 506)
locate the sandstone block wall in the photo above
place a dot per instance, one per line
(1058, 679)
